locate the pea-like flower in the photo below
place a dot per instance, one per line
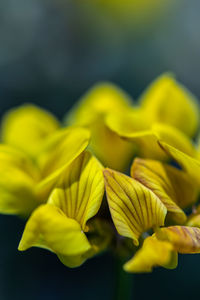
(61, 225)
(149, 217)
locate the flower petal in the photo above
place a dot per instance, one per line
(91, 112)
(81, 191)
(127, 122)
(189, 164)
(147, 140)
(103, 144)
(27, 126)
(98, 101)
(172, 186)
(99, 235)
(167, 101)
(153, 253)
(194, 221)
(17, 192)
(184, 239)
(59, 151)
(18, 177)
(48, 227)
(133, 207)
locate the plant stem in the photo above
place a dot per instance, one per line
(123, 282)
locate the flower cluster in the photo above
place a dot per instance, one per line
(56, 176)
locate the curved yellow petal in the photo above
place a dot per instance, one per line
(98, 101)
(27, 126)
(74, 261)
(91, 112)
(167, 101)
(190, 165)
(48, 227)
(18, 177)
(127, 122)
(172, 186)
(134, 208)
(17, 192)
(81, 191)
(147, 140)
(154, 253)
(103, 144)
(11, 157)
(59, 151)
(184, 239)
(174, 137)
(99, 235)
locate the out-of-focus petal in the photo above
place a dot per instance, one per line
(184, 239)
(172, 186)
(17, 192)
(91, 112)
(81, 191)
(133, 207)
(18, 177)
(153, 253)
(98, 101)
(147, 140)
(127, 122)
(104, 143)
(26, 127)
(167, 101)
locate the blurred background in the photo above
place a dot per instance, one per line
(51, 52)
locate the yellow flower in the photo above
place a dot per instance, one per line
(47, 174)
(32, 162)
(62, 225)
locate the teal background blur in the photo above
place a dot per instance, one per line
(51, 52)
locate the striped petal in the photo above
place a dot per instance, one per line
(172, 186)
(153, 253)
(27, 126)
(81, 191)
(167, 101)
(184, 239)
(48, 227)
(189, 164)
(133, 207)
(58, 153)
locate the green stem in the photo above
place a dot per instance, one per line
(123, 282)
